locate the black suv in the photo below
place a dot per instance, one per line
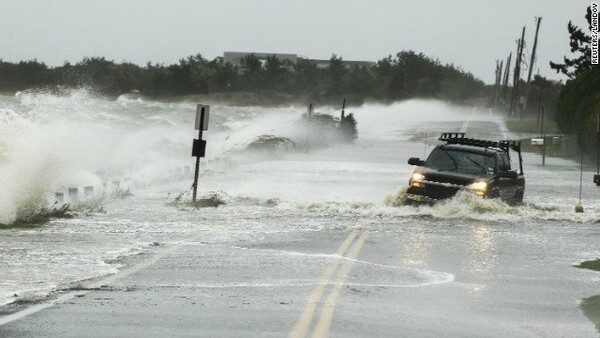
(480, 166)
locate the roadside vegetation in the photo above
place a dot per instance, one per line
(578, 103)
(572, 108)
(591, 265)
(406, 75)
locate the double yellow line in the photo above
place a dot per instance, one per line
(350, 250)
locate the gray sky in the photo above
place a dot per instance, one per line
(472, 34)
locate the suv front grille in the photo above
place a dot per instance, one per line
(441, 178)
(436, 190)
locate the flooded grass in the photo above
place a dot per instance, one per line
(48, 213)
(213, 201)
(591, 309)
(210, 200)
(40, 217)
(531, 126)
(590, 265)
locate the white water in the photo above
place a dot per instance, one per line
(49, 143)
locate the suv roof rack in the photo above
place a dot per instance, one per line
(459, 138)
(505, 145)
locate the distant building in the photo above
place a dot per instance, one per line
(348, 64)
(236, 59)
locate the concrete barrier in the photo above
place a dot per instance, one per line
(88, 191)
(73, 195)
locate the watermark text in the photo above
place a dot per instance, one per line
(594, 33)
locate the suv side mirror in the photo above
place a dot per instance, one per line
(509, 174)
(415, 161)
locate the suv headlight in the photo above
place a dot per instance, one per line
(479, 187)
(416, 179)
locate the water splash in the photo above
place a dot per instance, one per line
(75, 139)
(396, 199)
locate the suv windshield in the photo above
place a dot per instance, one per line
(461, 161)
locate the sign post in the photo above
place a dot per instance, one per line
(199, 145)
(308, 118)
(543, 140)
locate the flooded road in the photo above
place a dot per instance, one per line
(307, 242)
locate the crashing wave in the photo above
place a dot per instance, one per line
(266, 145)
(271, 143)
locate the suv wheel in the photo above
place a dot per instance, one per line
(519, 197)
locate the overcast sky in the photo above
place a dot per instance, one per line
(472, 34)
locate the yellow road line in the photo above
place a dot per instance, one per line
(303, 322)
(322, 328)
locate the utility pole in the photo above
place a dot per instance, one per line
(517, 76)
(531, 63)
(504, 92)
(497, 84)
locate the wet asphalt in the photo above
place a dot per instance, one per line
(419, 277)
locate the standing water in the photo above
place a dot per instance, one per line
(50, 143)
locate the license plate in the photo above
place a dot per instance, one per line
(415, 197)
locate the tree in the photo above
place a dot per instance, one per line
(579, 102)
(201, 74)
(360, 80)
(547, 90)
(159, 79)
(580, 45)
(336, 72)
(348, 128)
(225, 76)
(415, 75)
(96, 72)
(253, 71)
(306, 77)
(275, 73)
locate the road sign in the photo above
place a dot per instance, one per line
(199, 148)
(202, 112)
